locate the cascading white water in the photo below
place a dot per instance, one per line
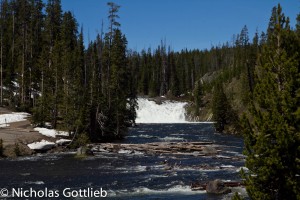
(167, 112)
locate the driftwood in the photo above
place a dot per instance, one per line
(177, 148)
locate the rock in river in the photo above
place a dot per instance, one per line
(217, 187)
(84, 151)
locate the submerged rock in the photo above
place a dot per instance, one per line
(209, 150)
(197, 186)
(168, 167)
(217, 187)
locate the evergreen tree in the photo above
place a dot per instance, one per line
(220, 108)
(272, 130)
(50, 66)
(198, 93)
(35, 48)
(68, 60)
(113, 26)
(174, 86)
(119, 84)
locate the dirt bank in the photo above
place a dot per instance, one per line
(20, 133)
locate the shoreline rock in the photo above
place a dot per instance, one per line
(84, 151)
(216, 186)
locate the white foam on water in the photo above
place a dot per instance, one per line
(124, 151)
(224, 157)
(200, 169)
(242, 168)
(138, 168)
(171, 139)
(130, 152)
(157, 176)
(167, 112)
(177, 189)
(227, 166)
(235, 153)
(147, 136)
(178, 134)
(132, 136)
(35, 182)
(138, 153)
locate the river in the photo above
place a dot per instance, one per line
(133, 175)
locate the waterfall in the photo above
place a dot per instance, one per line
(167, 112)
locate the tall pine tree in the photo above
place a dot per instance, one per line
(272, 132)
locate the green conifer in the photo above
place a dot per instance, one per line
(272, 130)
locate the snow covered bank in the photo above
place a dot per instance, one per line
(46, 145)
(63, 141)
(51, 132)
(42, 145)
(167, 112)
(13, 117)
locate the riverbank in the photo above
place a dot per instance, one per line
(17, 132)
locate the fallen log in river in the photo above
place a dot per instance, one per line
(178, 148)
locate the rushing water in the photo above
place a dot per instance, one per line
(133, 175)
(166, 112)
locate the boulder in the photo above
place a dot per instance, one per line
(217, 187)
(209, 150)
(89, 152)
(197, 186)
(84, 151)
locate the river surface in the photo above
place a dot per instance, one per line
(133, 175)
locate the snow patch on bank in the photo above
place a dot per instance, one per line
(12, 117)
(63, 141)
(42, 145)
(4, 125)
(51, 132)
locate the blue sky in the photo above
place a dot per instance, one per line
(191, 24)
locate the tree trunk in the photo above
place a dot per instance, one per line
(23, 68)
(13, 41)
(56, 99)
